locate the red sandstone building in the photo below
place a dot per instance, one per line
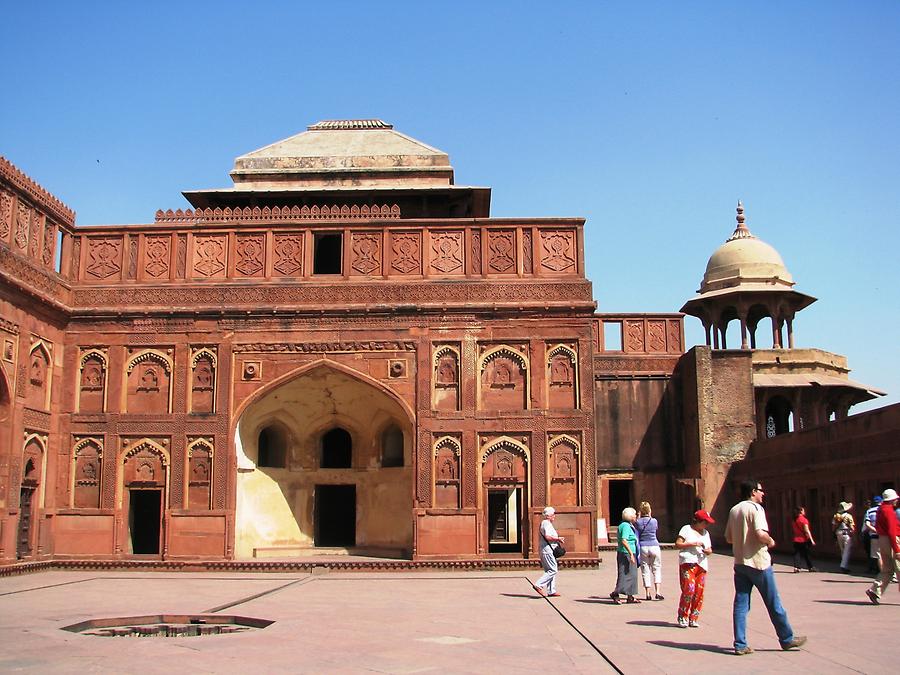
(345, 351)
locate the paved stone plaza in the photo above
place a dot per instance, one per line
(437, 622)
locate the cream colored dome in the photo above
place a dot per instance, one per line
(745, 260)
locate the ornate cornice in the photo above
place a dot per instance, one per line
(318, 347)
(38, 195)
(289, 213)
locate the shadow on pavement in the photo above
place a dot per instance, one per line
(530, 596)
(693, 646)
(846, 602)
(593, 600)
(847, 581)
(660, 624)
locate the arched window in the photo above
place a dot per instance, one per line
(392, 447)
(337, 449)
(779, 417)
(272, 448)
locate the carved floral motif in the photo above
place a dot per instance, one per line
(559, 250)
(407, 252)
(527, 253)
(366, 249)
(656, 336)
(501, 245)
(447, 252)
(104, 256)
(5, 213)
(249, 250)
(49, 243)
(35, 237)
(288, 254)
(21, 236)
(157, 257)
(209, 255)
(476, 253)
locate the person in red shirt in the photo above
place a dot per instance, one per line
(888, 530)
(803, 539)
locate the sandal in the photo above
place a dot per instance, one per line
(659, 597)
(633, 600)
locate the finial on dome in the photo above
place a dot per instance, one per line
(741, 231)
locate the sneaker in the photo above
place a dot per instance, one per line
(813, 569)
(659, 597)
(872, 597)
(694, 624)
(682, 623)
(796, 643)
(743, 651)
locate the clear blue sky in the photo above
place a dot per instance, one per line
(651, 121)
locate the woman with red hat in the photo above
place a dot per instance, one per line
(694, 547)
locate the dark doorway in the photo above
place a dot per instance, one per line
(23, 541)
(327, 253)
(144, 520)
(504, 520)
(619, 499)
(335, 515)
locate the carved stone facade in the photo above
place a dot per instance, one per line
(363, 359)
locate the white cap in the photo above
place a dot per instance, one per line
(549, 511)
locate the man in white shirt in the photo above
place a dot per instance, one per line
(748, 533)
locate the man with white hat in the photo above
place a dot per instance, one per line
(888, 544)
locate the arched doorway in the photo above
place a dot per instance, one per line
(145, 467)
(30, 495)
(505, 499)
(332, 489)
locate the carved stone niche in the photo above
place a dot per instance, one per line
(200, 458)
(92, 381)
(149, 374)
(33, 460)
(446, 472)
(203, 380)
(87, 455)
(565, 451)
(445, 378)
(504, 463)
(145, 465)
(37, 393)
(562, 366)
(503, 379)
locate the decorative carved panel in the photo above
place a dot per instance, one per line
(288, 254)
(447, 452)
(209, 256)
(132, 257)
(92, 382)
(38, 376)
(558, 250)
(149, 374)
(446, 253)
(503, 380)
(445, 378)
(366, 253)
(634, 336)
(104, 257)
(674, 340)
(200, 465)
(157, 257)
(49, 244)
(504, 462)
(203, 379)
(476, 252)
(20, 238)
(37, 221)
(406, 252)
(6, 201)
(250, 253)
(564, 470)
(656, 336)
(562, 381)
(527, 252)
(87, 454)
(145, 465)
(502, 251)
(181, 257)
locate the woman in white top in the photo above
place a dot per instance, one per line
(694, 547)
(546, 585)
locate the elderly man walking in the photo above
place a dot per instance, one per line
(748, 533)
(888, 530)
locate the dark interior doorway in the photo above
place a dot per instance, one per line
(145, 509)
(337, 449)
(335, 515)
(504, 520)
(619, 499)
(23, 540)
(327, 253)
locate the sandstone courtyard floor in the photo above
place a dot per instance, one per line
(453, 622)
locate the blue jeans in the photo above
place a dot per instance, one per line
(745, 578)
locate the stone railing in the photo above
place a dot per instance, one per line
(175, 250)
